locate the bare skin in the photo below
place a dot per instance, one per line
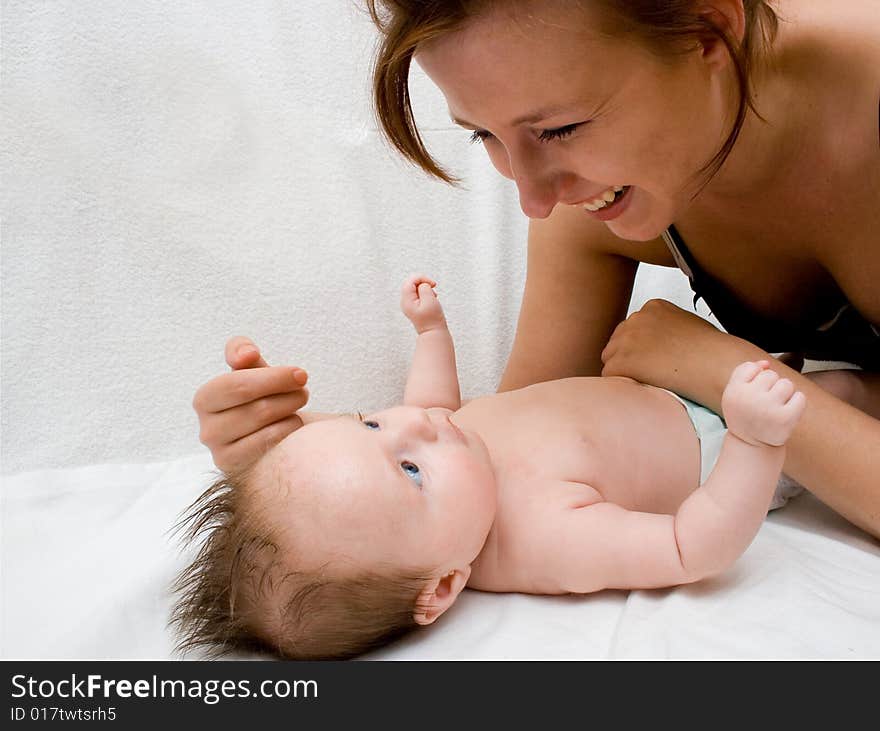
(570, 481)
(789, 223)
(818, 161)
(539, 490)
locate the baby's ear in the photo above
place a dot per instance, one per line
(440, 594)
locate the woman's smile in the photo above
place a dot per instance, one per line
(604, 199)
(610, 206)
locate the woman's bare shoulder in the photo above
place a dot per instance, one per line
(830, 53)
(833, 37)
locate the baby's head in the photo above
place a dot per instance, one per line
(348, 533)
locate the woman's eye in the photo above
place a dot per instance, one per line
(557, 134)
(480, 135)
(412, 471)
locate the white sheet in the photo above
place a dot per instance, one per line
(87, 561)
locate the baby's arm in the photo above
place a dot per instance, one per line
(719, 520)
(433, 378)
(606, 546)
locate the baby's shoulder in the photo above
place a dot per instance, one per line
(531, 513)
(525, 540)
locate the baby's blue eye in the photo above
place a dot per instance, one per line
(412, 471)
(371, 424)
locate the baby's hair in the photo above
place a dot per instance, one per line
(241, 594)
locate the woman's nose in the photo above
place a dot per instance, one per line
(538, 181)
(539, 188)
(536, 199)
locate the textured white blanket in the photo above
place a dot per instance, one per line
(178, 173)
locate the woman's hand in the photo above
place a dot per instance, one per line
(245, 412)
(665, 346)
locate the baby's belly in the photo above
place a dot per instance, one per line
(654, 462)
(633, 444)
(561, 445)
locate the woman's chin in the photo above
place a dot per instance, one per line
(637, 231)
(643, 220)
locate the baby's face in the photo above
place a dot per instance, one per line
(404, 486)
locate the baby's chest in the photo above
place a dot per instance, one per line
(532, 455)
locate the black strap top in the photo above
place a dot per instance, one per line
(844, 336)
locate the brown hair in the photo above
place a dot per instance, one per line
(241, 594)
(668, 27)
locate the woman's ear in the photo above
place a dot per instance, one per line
(728, 16)
(440, 594)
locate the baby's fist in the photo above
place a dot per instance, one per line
(420, 304)
(760, 407)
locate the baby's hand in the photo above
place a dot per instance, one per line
(760, 407)
(420, 304)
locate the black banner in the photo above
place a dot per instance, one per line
(134, 693)
(127, 692)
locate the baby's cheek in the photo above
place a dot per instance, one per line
(479, 479)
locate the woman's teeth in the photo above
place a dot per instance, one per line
(609, 196)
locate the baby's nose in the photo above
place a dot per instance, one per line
(420, 425)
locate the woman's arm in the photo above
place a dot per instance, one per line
(835, 449)
(577, 290)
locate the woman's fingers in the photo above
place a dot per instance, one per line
(242, 386)
(247, 450)
(231, 425)
(241, 352)
(245, 412)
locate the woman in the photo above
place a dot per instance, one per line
(734, 139)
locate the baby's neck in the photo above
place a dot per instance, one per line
(486, 562)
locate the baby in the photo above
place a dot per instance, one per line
(353, 530)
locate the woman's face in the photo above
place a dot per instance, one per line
(568, 115)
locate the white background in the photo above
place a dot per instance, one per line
(176, 173)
